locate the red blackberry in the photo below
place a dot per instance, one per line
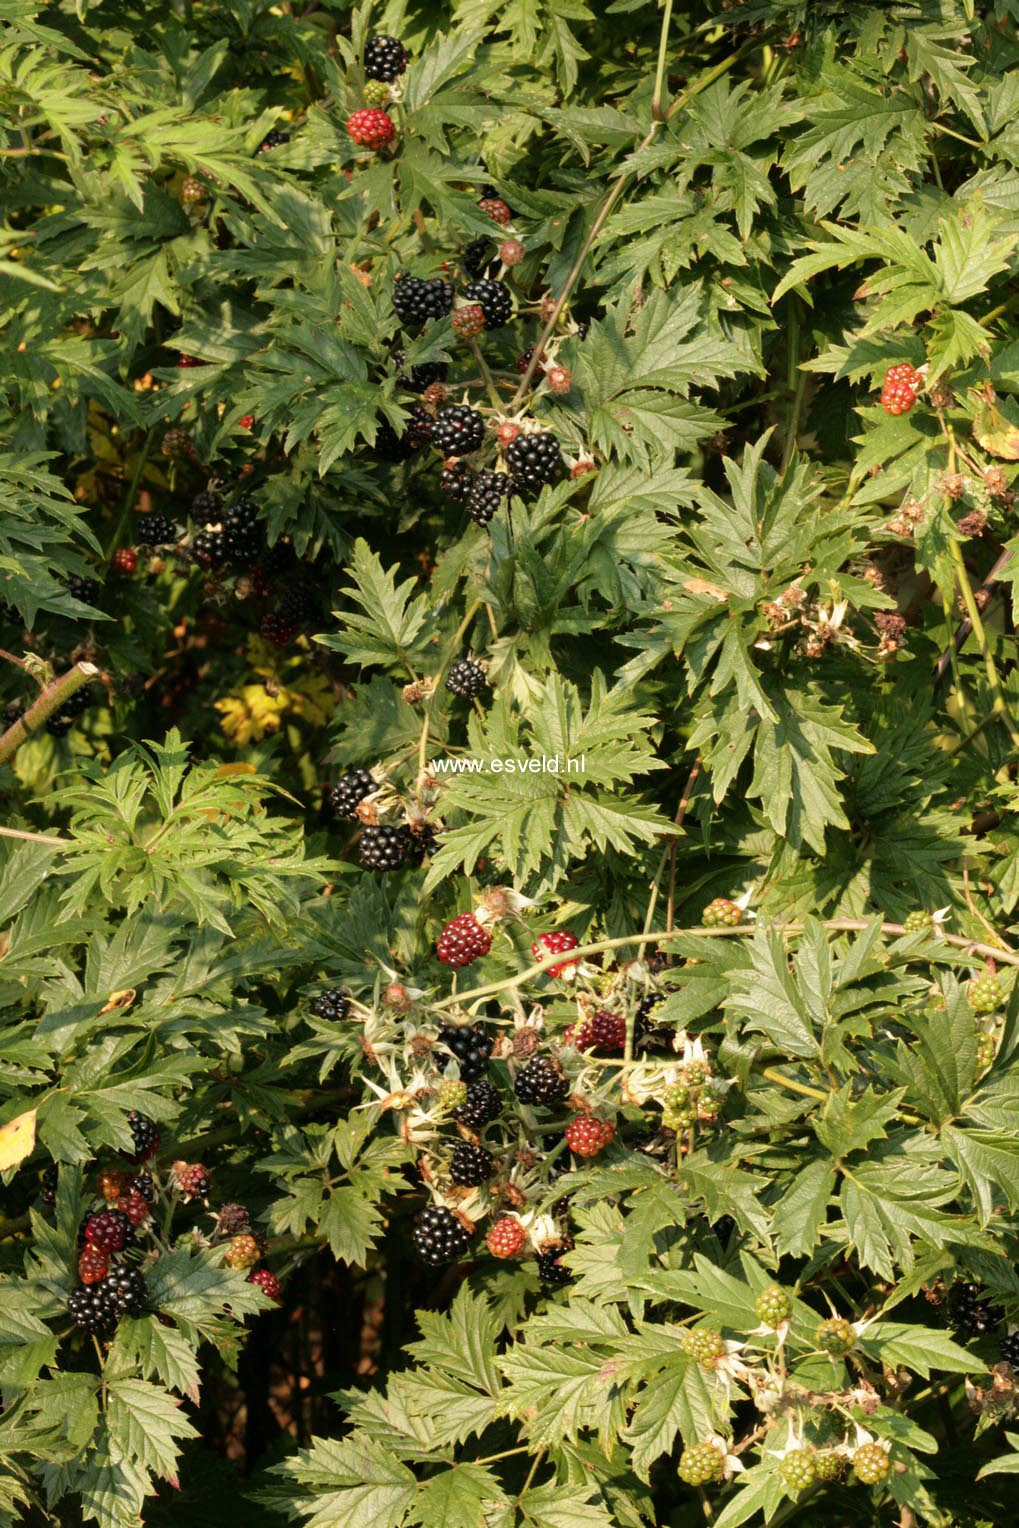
(87, 590)
(438, 1236)
(485, 495)
(556, 943)
(385, 58)
(384, 848)
(273, 139)
(494, 301)
(109, 1230)
(267, 1282)
(333, 1005)
(156, 530)
(534, 459)
(145, 1135)
(125, 559)
(506, 1238)
(468, 322)
(371, 128)
(901, 386)
(89, 1308)
(542, 1081)
(550, 1270)
(587, 1136)
(462, 942)
(276, 629)
(93, 1265)
(458, 430)
(1009, 1349)
(606, 1031)
(471, 1046)
(482, 1105)
(470, 1165)
(971, 1311)
(124, 1291)
(478, 257)
(344, 797)
(466, 678)
(192, 1179)
(416, 300)
(496, 209)
(135, 1206)
(457, 480)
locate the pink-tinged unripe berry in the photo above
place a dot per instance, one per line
(507, 432)
(397, 997)
(559, 379)
(511, 252)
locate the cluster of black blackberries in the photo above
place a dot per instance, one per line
(971, 1311)
(542, 1081)
(344, 797)
(550, 1270)
(438, 1236)
(87, 590)
(74, 707)
(145, 1136)
(482, 1105)
(458, 430)
(385, 58)
(494, 301)
(470, 1165)
(425, 374)
(386, 847)
(534, 459)
(155, 530)
(229, 534)
(484, 494)
(472, 1047)
(417, 300)
(98, 1307)
(466, 678)
(333, 1004)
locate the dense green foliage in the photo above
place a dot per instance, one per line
(704, 656)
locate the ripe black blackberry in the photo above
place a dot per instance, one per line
(124, 1291)
(971, 1311)
(208, 548)
(457, 480)
(477, 257)
(534, 459)
(458, 430)
(648, 1036)
(421, 376)
(61, 722)
(472, 1047)
(385, 848)
(482, 1105)
(542, 1081)
(299, 604)
(85, 589)
(206, 506)
(242, 536)
(384, 57)
(272, 140)
(333, 1005)
(90, 1307)
(466, 678)
(470, 1165)
(438, 1236)
(145, 1135)
(550, 1270)
(145, 1185)
(48, 1186)
(1009, 1349)
(485, 495)
(416, 300)
(342, 798)
(390, 447)
(421, 843)
(155, 530)
(494, 301)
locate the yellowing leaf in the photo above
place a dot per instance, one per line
(17, 1140)
(996, 433)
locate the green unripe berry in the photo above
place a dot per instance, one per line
(918, 922)
(830, 1467)
(678, 1119)
(871, 1463)
(696, 1074)
(701, 1464)
(835, 1337)
(986, 994)
(773, 1305)
(376, 93)
(452, 1093)
(677, 1097)
(704, 1345)
(799, 1469)
(986, 1051)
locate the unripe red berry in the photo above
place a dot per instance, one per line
(125, 559)
(93, 1265)
(468, 321)
(496, 209)
(246, 421)
(371, 128)
(900, 388)
(587, 1136)
(555, 944)
(511, 252)
(507, 1238)
(267, 1282)
(462, 942)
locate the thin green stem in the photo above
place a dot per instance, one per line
(1000, 707)
(797, 381)
(489, 381)
(132, 488)
(658, 94)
